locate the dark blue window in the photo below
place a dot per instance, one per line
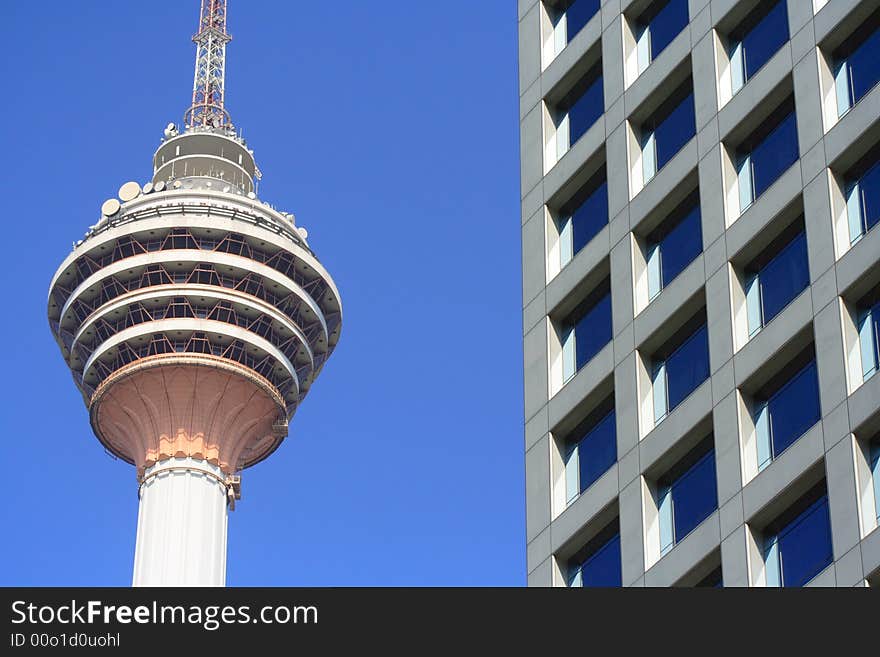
(578, 14)
(774, 154)
(598, 563)
(794, 408)
(681, 244)
(687, 367)
(712, 580)
(860, 52)
(869, 196)
(764, 35)
(784, 277)
(667, 21)
(694, 492)
(590, 214)
(805, 547)
(597, 451)
(592, 329)
(674, 125)
(584, 104)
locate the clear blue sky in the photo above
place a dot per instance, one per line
(391, 131)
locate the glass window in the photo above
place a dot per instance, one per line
(787, 414)
(668, 130)
(583, 105)
(592, 329)
(858, 68)
(674, 246)
(802, 547)
(687, 495)
(598, 563)
(875, 475)
(774, 155)
(687, 367)
(583, 217)
(593, 449)
(863, 202)
(869, 340)
(777, 282)
(664, 21)
(761, 34)
(578, 14)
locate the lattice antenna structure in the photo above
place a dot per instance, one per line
(207, 108)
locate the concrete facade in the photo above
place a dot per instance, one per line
(834, 449)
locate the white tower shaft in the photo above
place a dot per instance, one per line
(182, 521)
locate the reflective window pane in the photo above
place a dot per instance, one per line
(774, 155)
(794, 408)
(675, 130)
(869, 188)
(681, 245)
(864, 66)
(694, 495)
(593, 331)
(666, 24)
(765, 38)
(805, 545)
(585, 105)
(784, 277)
(597, 451)
(589, 217)
(603, 567)
(687, 367)
(578, 14)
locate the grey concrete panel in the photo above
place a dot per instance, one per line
(800, 13)
(532, 146)
(529, 48)
(542, 576)
(848, 570)
(824, 579)
(533, 258)
(680, 422)
(728, 468)
(652, 87)
(535, 378)
(782, 472)
(575, 59)
(817, 221)
(532, 201)
(840, 477)
(830, 357)
(584, 149)
(712, 196)
(537, 488)
(808, 100)
(828, 18)
(632, 546)
(863, 256)
(680, 167)
(534, 312)
(538, 550)
(735, 560)
(870, 548)
(813, 162)
(618, 170)
(740, 108)
(770, 340)
(824, 289)
(621, 285)
(626, 404)
(803, 42)
(688, 284)
(835, 426)
(568, 526)
(695, 547)
(530, 98)
(612, 65)
(730, 516)
(536, 428)
(624, 343)
(581, 385)
(723, 382)
(572, 276)
(719, 320)
(628, 468)
(859, 121)
(705, 87)
(863, 403)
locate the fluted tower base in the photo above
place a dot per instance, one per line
(181, 530)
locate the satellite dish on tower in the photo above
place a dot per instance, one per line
(129, 192)
(148, 188)
(159, 186)
(110, 207)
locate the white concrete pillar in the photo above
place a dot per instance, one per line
(181, 530)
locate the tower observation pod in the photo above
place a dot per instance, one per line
(194, 318)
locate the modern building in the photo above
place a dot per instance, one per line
(701, 275)
(194, 318)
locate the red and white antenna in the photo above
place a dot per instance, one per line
(208, 87)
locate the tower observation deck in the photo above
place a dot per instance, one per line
(194, 318)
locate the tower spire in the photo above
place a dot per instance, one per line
(209, 84)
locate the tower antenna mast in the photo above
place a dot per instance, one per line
(207, 108)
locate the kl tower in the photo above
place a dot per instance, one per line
(194, 318)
